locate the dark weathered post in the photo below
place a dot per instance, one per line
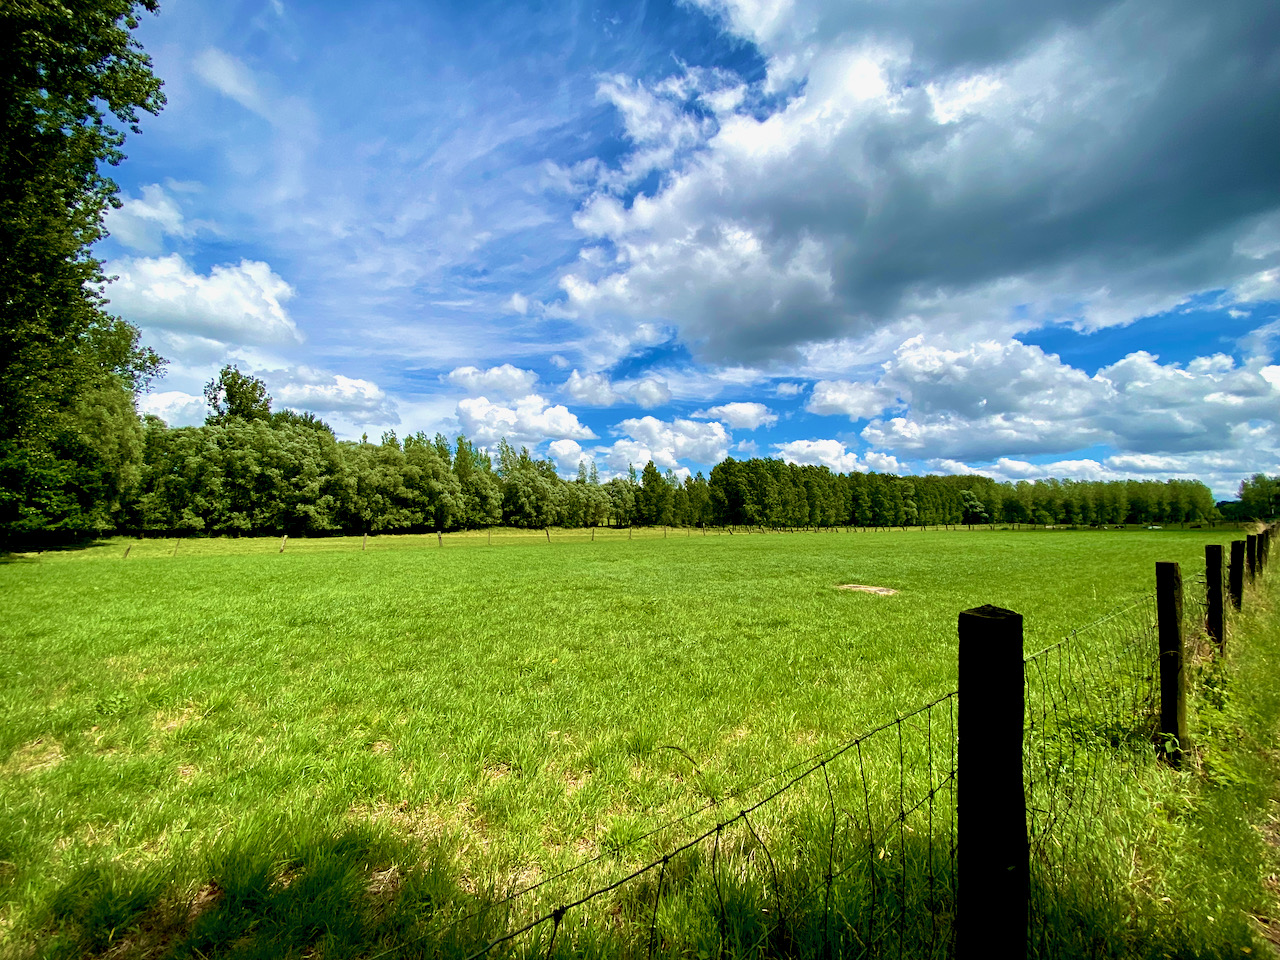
(548, 529)
(1251, 556)
(126, 552)
(439, 539)
(593, 534)
(1173, 690)
(1217, 616)
(364, 544)
(1235, 575)
(994, 873)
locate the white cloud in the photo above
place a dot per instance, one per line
(857, 400)
(994, 398)
(826, 453)
(530, 420)
(741, 415)
(175, 408)
(241, 303)
(518, 303)
(230, 77)
(789, 389)
(567, 454)
(595, 389)
(667, 443)
(324, 393)
(648, 392)
(954, 166)
(505, 380)
(142, 223)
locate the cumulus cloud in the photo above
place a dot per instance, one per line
(567, 454)
(305, 388)
(666, 443)
(822, 453)
(919, 157)
(174, 407)
(504, 381)
(856, 400)
(241, 303)
(596, 390)
(741, 415)
(530, 420)
(993, 398)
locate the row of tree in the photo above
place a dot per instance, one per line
(251, 471)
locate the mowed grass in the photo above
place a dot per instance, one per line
(524, 704)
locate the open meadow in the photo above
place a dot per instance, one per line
(515, 705)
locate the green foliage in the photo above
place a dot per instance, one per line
(65, 69)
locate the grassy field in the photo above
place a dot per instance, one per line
(514, 704)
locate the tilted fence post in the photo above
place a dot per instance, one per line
(1251, 556)
(995, 876)
(1236, 574)
(1173, 688)
(1217, 615)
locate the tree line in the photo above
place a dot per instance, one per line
(249, 470)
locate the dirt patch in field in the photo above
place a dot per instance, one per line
(33, 757)
(864, 588)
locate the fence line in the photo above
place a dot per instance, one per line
(862, 862)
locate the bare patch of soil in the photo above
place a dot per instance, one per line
(34, 756)
(864, 588)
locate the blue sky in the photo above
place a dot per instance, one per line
(1019, 239)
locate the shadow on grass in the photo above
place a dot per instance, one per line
(363, 892)
(27, 549)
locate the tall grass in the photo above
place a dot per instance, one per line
(367, 743)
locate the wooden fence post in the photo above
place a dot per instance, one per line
(1251, 556)
(994, 876)
(439, 539)
(1235, 574)
(1217, 616)
(548, 529)
(1173, 688)
(364, 544)
(283, 541)
(126, 552)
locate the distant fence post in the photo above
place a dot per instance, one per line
(1217, 616)
(1173, 688)
(995, 877)
(364, 544)
(1236, 573)
(1251, 556)
(283, 541)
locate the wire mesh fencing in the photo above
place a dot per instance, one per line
(850, 853)
(1092, 710)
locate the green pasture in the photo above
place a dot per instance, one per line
(515, 704)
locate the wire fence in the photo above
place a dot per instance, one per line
(850, 853)
(853, 851)
(1092, 708)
